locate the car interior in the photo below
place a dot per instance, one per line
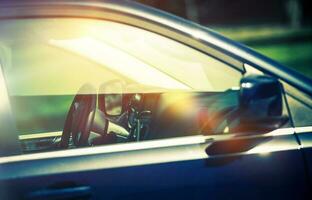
(110, 118)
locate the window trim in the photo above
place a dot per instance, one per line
(151, 145)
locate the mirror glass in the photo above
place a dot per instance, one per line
(113, 99)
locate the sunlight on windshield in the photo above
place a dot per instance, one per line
(70, 52)
(119, 61)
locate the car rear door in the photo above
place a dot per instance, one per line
(300, 105)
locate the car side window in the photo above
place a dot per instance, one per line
(300, 106)
(81, 82)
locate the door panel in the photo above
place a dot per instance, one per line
(273, 168)
(305, 137)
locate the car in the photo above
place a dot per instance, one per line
(117, 100)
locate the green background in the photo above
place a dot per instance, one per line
(292, 48)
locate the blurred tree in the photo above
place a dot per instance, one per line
(294, 11)
(192, 10)
(176, 7)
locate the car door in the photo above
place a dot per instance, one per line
(266, 166)
(229, 166)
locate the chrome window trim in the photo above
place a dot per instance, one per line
(304, 129)
(123, 147)
(304, 135)
(135, 146)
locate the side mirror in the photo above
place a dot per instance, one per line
(261, 103)
(111, 98)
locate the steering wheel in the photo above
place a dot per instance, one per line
(80, 117)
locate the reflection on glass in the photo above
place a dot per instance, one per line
(113, 104)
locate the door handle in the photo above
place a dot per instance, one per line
(78, 192)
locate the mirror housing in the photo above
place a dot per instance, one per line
(261, 103)
(263, 94)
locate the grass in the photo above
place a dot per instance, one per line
(297, 56)
(293, 48)
(242, 33)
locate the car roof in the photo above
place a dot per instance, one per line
(172, 22)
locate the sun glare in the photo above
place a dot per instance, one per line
(118, 61)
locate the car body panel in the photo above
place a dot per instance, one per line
(305, 138)
(182, 169)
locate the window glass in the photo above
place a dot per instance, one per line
(47, 62)
(300, 111)
(300, 106)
